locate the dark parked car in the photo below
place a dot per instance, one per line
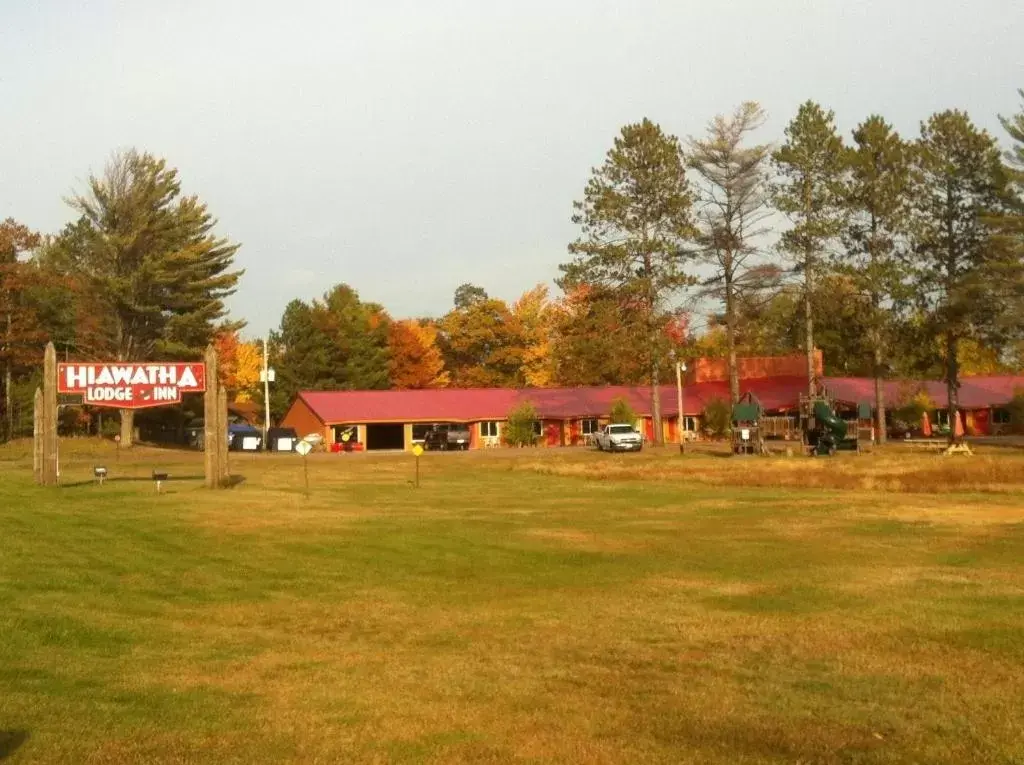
(446, 437)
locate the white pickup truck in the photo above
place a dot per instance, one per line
(618, 438)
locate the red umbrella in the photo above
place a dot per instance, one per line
(926, 425)
(958, 426)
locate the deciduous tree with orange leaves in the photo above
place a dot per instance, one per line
(238, 364)
(20, 329)
(415, 359)
(534, 315)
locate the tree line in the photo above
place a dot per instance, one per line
(896, 256)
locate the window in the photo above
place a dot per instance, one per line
(690, 424)
(1000, 416)
(590, 427)
(489, 429)
(538, 428)
(419, 430)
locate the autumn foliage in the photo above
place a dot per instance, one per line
(238, 364)
(415, 359)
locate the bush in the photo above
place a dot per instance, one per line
(519, 430)
(622, 413)
(912, 409)
(718, 417)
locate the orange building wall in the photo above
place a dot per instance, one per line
(753, 368)
(301, 417)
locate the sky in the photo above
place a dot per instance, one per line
(405, 147)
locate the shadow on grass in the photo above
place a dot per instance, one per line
(11, 741)
(231, 482)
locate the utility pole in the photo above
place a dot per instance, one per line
(681, 424)
(266, 395)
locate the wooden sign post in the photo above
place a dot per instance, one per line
(130, 386)
(48, 422)
(304, 448)
(37, 436)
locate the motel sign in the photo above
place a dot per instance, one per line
(131, 386)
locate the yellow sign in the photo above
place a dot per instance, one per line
(346, 436)
(417, 450)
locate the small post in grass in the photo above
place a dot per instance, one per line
(159, 478)
(304, 448)
(100, 473)
(417, 452)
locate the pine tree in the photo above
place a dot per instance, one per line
(875, 237)
(1014, 126)
(591, 344)
(1012, 227)
(299, 350)
(732, 197)
(810, 166)
(151, 259)
(961, 197)
(636, 221)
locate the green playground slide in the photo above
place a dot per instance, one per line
(830, 429)
(829, 421)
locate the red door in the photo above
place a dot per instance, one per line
(553, 431)
(982, 422)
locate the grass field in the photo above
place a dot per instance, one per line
(526, 607)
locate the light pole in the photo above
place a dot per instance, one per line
(266, 377)
(680, 398)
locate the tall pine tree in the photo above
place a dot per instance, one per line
(732, 197)
(150, 257)
(875, 238)
(810, 166)
(962, 197)
(636, 223)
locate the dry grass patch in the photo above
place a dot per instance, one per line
(586, 541)
(888, 472)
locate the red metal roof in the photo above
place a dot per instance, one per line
(974, 393)
(475, 404)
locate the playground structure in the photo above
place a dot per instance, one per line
(748, 436)
(824, 431)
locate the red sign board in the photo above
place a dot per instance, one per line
(131, 385)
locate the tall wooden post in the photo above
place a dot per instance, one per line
(48, 426)
(212, 435)
(222, 427)
(37, 436)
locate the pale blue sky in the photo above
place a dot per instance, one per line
(406, 147)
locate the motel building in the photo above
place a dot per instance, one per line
(389, 420)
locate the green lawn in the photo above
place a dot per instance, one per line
(525, 607)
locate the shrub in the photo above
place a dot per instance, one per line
(519, 430)
(622, 413)
(911, 409)
(718, 417)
